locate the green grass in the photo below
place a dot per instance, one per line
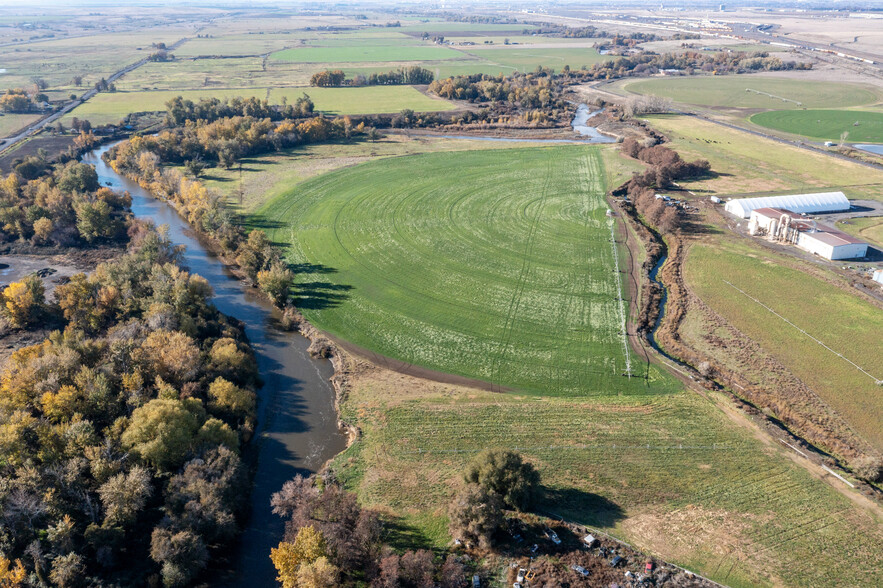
(111, 107)
(364, 100)
(668, 473)
(529, 59)
(731, 91)
(863, 127)
(495, 265)
(358, 53)
(870, 228)
(842, 321)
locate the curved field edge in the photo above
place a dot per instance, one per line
(672, 474)
(495, 265)
(860, 126)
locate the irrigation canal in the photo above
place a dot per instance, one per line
(297, 422)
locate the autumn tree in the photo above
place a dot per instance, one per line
(123, 496)
(276, 282)
(23, 301)
(289, 557)
(476, 515)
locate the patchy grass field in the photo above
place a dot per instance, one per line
(669, 473)
(357, 53)
(364, 100)
(111, 107)
(10, 123)
(869, 228)
(528, 59)
(494, 265)
(841, 321)
(863, 127)
(732, 91)
(747, 164)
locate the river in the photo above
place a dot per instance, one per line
(297, 422)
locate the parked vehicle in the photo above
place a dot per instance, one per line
(580, 570)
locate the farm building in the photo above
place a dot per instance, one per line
(785, 226)
(799, 203)
(832, 244)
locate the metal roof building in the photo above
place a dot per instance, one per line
(799, 203)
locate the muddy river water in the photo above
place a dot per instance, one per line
(297, 422)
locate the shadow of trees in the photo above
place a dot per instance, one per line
(580, 506)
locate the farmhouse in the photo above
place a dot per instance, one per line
(784, 226)
(799, 203)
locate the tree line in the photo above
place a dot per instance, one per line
(121, 432)
(410, 76)
(664, 167)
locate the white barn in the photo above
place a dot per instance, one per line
(799, 203)
(832, 244)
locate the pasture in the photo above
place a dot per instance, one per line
(10, 123)
(111, 107)
(862, 127)
(364, 100)
(668, 473)
(735, 92)
(748, 164)
(844, 322)
(358, 52)
(528, 59)
(868, 228)
(493, 265)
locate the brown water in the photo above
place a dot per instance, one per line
(297, 428)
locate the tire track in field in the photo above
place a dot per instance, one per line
(514, 304)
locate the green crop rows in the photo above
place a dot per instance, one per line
(495, 265)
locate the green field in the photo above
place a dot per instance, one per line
(364, 100)
(111, 107)
(863, 127)
(669, 473)
(357, 53)
(732, 92)
(529, 59)
(842, 321)
(495, 265)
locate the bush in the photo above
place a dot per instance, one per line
(506, 474)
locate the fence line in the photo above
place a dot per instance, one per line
(859, 368)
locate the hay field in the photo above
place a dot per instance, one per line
(732, 91)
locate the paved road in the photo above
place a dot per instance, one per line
(44, 122)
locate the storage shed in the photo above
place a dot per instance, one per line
(832, 244)
(799, 203)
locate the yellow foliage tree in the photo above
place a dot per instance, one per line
(22, 300)
(319, 574)
(12, 574)
(308, 547)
